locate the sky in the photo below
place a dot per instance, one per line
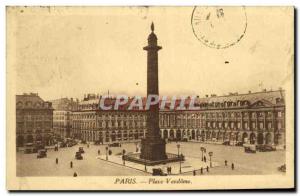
(68, 52)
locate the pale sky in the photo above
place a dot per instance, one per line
(68, 52)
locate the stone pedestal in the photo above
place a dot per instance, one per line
(153, 149)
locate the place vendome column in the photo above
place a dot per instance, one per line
(153, 147)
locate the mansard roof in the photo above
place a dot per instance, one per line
(32, 101)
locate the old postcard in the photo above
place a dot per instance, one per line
(150, 98)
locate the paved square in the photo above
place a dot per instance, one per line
(91, 165)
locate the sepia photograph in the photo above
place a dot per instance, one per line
(150, 97)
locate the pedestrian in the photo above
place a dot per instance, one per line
(204, 158)
(75, 174)
(194, 172)
(225, 162)
(56, 160)
(170, 170)
(201, 170)
(207, 168)
(98, 152)
(71, 164)
(232, 166)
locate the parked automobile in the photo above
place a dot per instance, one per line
(42, 154)
(78, 156)
(239, 144)
(116, 144)
(81, 150)
(158, 172)
(249, 148)
(39, 145)
(227, 143)
(184, 140)
(83, 142)
(282, 168)
(30, 148)
(265, 148)
(63, 144)
(97, 142)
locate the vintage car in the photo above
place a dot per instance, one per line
(265, 148)
(116, 144)
(239, 144)
(81, 150)
(30, 148)
(249, 148)
(42, 154)
(158, 172)
(39, 145)
(78, 156)
(226, 143)
(70, 142)
(97, 142)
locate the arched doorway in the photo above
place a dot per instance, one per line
(107, 137)
(20, 141)
(29, 139)
(252, 138)
(136, 135)
(260, 138)
(130, 135)
(237, 136)
(193, 135)
(219, 136)
(178, 134)
(245, 137)
(208, 134)
(268, 138)
(277, 139)
(165, 134)
(203, 136)
(125, 135)
(198, 135)
(214, 135)
(119, 135)
(172, 134)
(113, 136)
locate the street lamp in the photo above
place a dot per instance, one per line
(210, 155)
(178, 146)
(202, 150)
(136, 146)
(106, 148)
(123, 157)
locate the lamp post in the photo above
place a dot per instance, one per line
(202, 150)
(106, 148)
(178, 147)
(136, 146)
(123, 157)
(210, 155)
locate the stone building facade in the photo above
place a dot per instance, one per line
(256, 118)
(62, 116)
(34, 118)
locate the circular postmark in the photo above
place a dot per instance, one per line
(219, 27)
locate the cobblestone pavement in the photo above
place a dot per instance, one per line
(245, 163)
